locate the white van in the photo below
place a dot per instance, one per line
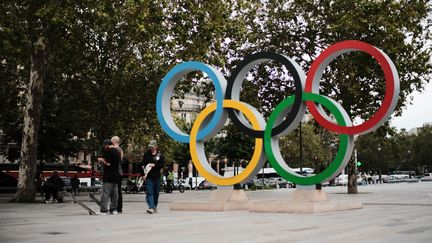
(342, 180)
(195, 181)
(398, 177)
(86, 181)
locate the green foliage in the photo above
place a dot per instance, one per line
(180, 151)
(382, 23)
(318, 147)
(395, 151)
(235, 145)
(421, 152)
(107, 58)
(14, 71)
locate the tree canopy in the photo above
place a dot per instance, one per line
(106, 59)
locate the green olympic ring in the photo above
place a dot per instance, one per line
(271, 144)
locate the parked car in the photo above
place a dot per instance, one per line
(342, 180)
(398, 177)
(248, 184)
(427, 177)
(193, 182)
(278, 182)
(206, 185)
(385, 178)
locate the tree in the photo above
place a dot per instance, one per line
(235, 146)
(400, 152)
(39, 61)
(105, 59)
(421, 152)
(317, 151)
(399, 28)
(378, 158)
(103, 64)
(14, 74)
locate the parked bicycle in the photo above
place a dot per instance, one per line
(173, 187)
(134, 186)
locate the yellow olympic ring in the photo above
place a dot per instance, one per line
(200, 160)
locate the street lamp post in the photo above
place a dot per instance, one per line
(408, 163)
(379, 158)
(236, 172)
(66, 165)
(379, 154)
(92, 180)
(301, 149)
(93, 159)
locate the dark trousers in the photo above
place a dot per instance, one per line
(75, 191)
(51, 191)
(120, 198)
(169, 183)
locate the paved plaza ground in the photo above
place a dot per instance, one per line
(391, 213)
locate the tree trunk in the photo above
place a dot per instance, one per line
(352, 177)
(26, 191)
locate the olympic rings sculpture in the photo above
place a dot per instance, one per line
(284, 118)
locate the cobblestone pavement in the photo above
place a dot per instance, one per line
(391, 213)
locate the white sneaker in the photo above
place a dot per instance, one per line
(150, 211)
(102, 213)
(114, 212)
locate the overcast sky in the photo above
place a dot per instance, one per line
(418, 113)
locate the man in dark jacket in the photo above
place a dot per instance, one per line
(110, 160)
(75, 183)
(153, 161)
(52, 187)
(116, 144)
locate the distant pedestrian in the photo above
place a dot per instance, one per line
(364, 179)
(169, 180)
(39, 180)
(319, 167)
(110, 160)
(154, 160)
(75, 183)
(369, 178)
(116, 143)
(375, 178)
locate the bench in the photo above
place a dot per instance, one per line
(89, 188)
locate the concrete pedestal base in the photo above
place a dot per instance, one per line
(304, 201)
(220, 200)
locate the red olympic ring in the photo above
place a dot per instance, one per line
(391, 92)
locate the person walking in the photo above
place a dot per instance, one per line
(116, 144)
(154, 160)
(75, 182)
(169, 179)
(110, 160)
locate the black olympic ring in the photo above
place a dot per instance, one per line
(235, 81)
